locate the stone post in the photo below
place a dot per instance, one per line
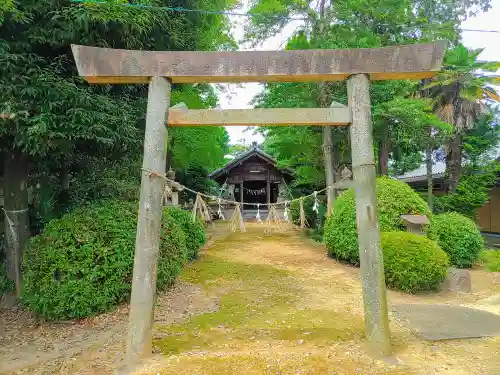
(241, 195)
(139, 338)
(268, 192)
(327, 154)
(175, 198)
(370, 253)
(230, 192)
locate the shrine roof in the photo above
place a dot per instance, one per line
(244, 156)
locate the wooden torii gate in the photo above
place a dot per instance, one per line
(161, 69)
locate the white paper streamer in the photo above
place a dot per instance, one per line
(315, 205)
(255, 192)
(258, 214)
(285, 215)
(220, 213)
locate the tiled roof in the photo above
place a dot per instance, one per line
(255, 150)
(438, 169)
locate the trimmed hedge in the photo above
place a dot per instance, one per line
(490, 259)
(173, 252)
(6, 285)
(195, 230)
(81, 264)
(394, 198)
(458, 236)
(413, 263)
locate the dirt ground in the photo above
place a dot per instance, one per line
(254, 304)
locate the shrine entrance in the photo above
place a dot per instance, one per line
(161, 69)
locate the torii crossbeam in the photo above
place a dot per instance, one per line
(103, 65)
(161, 69)
(333, 116)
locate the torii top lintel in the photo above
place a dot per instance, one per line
(104, 65)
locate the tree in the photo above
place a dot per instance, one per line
(480, 143)
(299, 147)
(49, 116)
(203, 146)
(237, 149)
(481, 169)
(403, 122)
(460, 92)
(355, 24)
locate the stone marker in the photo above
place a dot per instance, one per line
(458, 280)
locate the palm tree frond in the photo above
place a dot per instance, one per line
(490, 66)
(431, 85)
(491, 94)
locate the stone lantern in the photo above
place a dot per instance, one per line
(415, 223)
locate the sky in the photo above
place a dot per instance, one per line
(239, 96)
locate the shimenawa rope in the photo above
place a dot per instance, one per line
(226, 201)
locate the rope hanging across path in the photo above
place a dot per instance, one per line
(227, 201)
(274, 224)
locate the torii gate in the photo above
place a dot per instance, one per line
(161, 69)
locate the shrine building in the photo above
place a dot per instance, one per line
(253, 177)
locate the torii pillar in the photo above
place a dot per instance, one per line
(358, 66)
(371, 258)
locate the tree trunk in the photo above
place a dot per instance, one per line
(63, 197)
(17, 231)
(170, 155)
(428, 164)
(430, 184)
(336, 156)
(327, 131)
(383, 155)
(453, 163)
(327, 153)
(64, 177)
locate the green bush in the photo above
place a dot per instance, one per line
(458, 236)
(6, 285)
(195, 230)
(81, 264)
(413, 263)
(472, 192)
(490, 259)
(394, 198)
(173, 252)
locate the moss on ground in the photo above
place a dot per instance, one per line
(257, 302)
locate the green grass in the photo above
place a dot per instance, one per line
(490, 260)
